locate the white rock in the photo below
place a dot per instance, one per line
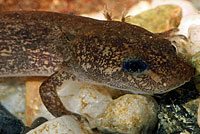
(87, 100)
(190, 28)
(138, 8)
(82, 98)
(62, 125)
(194, 38)
(15, 103)
(186, 22)
(130, 114)
(98, 15)
(43, 112)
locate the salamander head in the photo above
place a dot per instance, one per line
(154, 68)
(137, 61)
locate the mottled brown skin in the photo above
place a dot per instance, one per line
(35, 43)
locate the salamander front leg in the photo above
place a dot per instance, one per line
(50, 98)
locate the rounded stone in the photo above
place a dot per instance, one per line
(62, 125)
(130, 114)
(85, 99)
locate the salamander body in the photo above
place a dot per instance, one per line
(66, 47)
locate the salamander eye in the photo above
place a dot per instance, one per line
(134, 66)
(174, 48)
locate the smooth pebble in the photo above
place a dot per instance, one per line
(130, 114)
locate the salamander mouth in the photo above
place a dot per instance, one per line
(182, 76)
(174, 87)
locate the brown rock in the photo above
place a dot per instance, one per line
(33, 100)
